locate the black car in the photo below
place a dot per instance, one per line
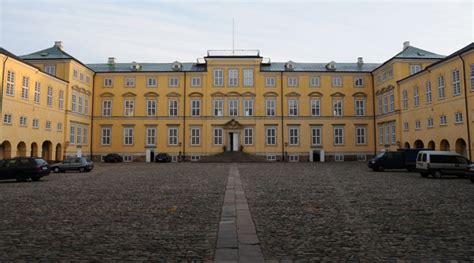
(24, 168)
(401, 159)
(162, 158)
(113, 158)
(80, 164)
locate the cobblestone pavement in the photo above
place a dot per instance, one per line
(132, 211)
(343, 211)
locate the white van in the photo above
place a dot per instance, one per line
(437, 163)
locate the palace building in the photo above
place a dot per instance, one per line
(55, 106)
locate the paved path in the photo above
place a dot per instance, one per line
(237, 239)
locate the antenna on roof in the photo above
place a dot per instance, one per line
(233, 36)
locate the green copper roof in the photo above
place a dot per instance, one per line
(414, 52)
(49, 53)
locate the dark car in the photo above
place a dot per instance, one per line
(24, 168)
(80, 164)
(470, 173)
(162, 158)
(401, 159)
(113, 158)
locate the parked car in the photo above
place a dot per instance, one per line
(113, 158)
(24, 168)
(401, 159)
(470, 172)
(162, 158)
(80, 164)
(439, 163)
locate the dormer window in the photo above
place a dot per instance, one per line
(290, 65)
(177, 66)
(135, 66)
(331, 66)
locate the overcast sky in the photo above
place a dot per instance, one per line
(303, 31)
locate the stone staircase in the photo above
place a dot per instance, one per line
(233, 157)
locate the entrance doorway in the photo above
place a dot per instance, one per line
(233, 145)
(316, 156)
(149, 155)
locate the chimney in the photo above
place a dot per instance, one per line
(111, 61)
(406, 44)
(360, 61)
(58, 44)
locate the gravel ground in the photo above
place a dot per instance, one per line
(343, 211)
(132, 211)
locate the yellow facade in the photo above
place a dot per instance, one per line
(226, 102)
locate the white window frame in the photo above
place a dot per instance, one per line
(151, 82)
(405, 99)
(361, 135)
(316, 136)
(270, 136)
(195, 107)
(414, 68)
(233, 107)
(195, 133)
(429, 92)
(129, 82)
(393, 130)
(441, 88)
(151, 106)
(248, 136)
(293, 136)
(270, 81)
(338, 107)
(50, 69)
(233, 77)
(218, 79)
(49, 98)
(35, 124)
(196, 82)
(293, 81)
(430, 122)
(105, 135)
(270, 107)
(338, 134)
(10, 91)
(315, 107)
(25, 88)
(173, 82)
(315, 81)
(336, 81)
(248, 107)
(456, 82)
(358, 82)
(293, 107)
(417, 125)
(150, 135)
(416, 97)
(391, 96)
(360, 106)
(37, 96)
(218, 107)
(218, 135)
(128, 134)
(47, 125)
(248, 77)
(72, 134)
(458, 117)
(108, 82)
(443, 120)
(173, 107)
(129, 107)
(107, 108)
(173, 136)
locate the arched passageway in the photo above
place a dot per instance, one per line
(431, 145)
(461, 146)
(419, 144)
(5, 150)
(47, 149)
(21, 149)
(34, 149)
(444, 145)
(59, 151)
(407, 145)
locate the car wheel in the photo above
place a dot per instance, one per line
(424, 175)
(35, 178)
(381, 168)
(437, 174)
(56, 170)
(81, 169)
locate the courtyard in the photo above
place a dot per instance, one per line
(301, 212)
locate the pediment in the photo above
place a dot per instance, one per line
(293, 94)
(129, 94)
(233, 94)
(270, 94)
(173, 94)
(232, 124)
(315, 94)
(151, 94)
(195, 94)
(359, 94)
(248, 94)
(106, 94)
(217, 94)
(337, 94)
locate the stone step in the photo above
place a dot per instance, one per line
(233, 157)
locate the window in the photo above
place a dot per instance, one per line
(315, 107)
(25, 88)
(270, 82)
(74, 73)
(314, 81)
(380, 134)
(271, 158)
(218, 132)
(248, 77)
(80, 103)
(196, 82)
(293, 136)
(173, 108)
(108, 82)
(49, 99)
(85, 135)
(248, 107)
(339, 157)
(128, 135)
(233, 77)
(338, 136)
(385, 103)
(361, 135)
(195, 108)
(430, 123)
(441, 91)
(218, 107)
(392, 101)
(151, 136)
(390, 72)
(292, 81)
(50, 69)
(61, 100)
(337, 107)
(10, 83)
(173, 82)
(270, 133)
(458, 117)
(35, 123)
(195, 158)
(129, 82)
(248, 136)
(336, 81)
(416, 97)
(442, 120)
(417, 125)
(173, 136)
(106, 134)
(456, 83)
(127, 158)
(414, 68)
(405, 99)
(88, 79)
(233, 107)
(292, 107)
(405, 126)
(270, 107)
(129, 107)
(358, 82)
(361, 157)
(393, 131)
(387, 132)
(360, 107)
(48, 125)
(79, 135)
(429, 96)
(72, 134)
(218, 77)
(86, 104)
(151, 82)
(106, 108)
(81, 76)
(23, 121)
(37, 96)
(380, 105)
(316, 136)
(293, 158)
(151, 107)
(471, 76)
(7, 118)
(59, 127)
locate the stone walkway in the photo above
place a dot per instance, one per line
(237, 239)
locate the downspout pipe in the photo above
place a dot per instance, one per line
(374, 117)
(466, 104)
(282, 119)
(92, 117)
(184, 119)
